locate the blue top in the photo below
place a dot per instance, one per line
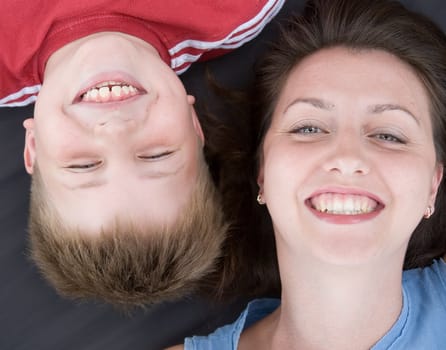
(421, 324)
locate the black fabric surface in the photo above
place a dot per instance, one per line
(33, 316)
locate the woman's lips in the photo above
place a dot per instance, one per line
(344, 207)
(343, 204)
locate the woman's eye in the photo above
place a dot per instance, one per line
(307, 129)
(388, 138)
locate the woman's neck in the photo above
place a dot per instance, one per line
(331, 307)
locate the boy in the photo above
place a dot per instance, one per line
(122, 205)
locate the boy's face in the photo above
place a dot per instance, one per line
(113, 133)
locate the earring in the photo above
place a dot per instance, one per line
(260, 199)
(429, 211)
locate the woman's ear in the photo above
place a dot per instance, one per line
(260, 173)
(436, 181)
(29, 152)
(260, 177)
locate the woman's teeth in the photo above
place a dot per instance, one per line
(108, 92)
(343, 204)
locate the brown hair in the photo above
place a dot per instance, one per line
(362, 25)
(249, 265)
(129, 264)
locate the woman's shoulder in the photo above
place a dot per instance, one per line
(436, 268)
(227, 337)
(427, 282)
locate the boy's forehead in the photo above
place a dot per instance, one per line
(158, 203)
(161, 207)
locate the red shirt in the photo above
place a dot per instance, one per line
(183, 31)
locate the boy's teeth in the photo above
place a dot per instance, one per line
(110, 91)
(343, 204)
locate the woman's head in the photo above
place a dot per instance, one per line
(361, 26)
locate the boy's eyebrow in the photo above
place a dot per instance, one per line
(88, 184)
(145, 175)
(379, 108)
(315, 102)
(98, 183)
(157, 174)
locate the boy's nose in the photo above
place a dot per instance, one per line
(115, 126)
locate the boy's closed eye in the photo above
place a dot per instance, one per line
(156, 156)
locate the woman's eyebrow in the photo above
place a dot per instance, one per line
(315, 102)
(380, 108)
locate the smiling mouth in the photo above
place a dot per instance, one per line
(343, 204)
(109, 91)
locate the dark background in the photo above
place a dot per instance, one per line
(33, 316)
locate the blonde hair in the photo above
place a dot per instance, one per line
(129, 264)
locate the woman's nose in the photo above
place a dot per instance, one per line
(347, 157)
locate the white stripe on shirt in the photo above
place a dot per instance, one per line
(28, 90)
(258, 23)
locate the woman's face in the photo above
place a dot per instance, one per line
(349, 165)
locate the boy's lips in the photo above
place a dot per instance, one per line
(110, 91)
(109, 87)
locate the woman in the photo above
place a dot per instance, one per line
(353, 106)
